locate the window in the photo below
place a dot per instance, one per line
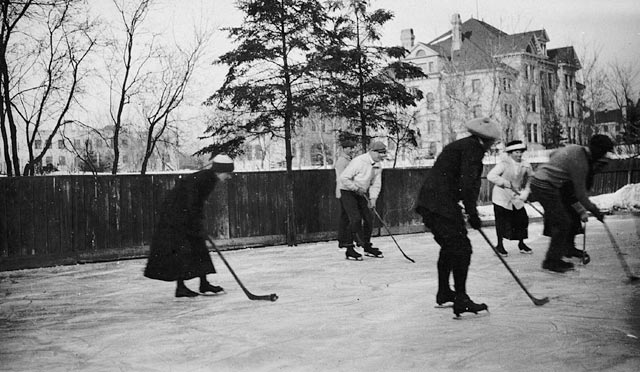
(125, 159)
(421, 53)
(124, 142)
(98, 143)
(38, 144)
(571, 109)
(531, 103)
(76, 143)
(477, 111)
(430, 66)
(605, 128)
(506, 84)
(568, 81)
(430, 101)
(431, 126)
(535, 133)
(551, 80)
(48, 160)
(60, 144)
(62, 160)
(259, 154)
(508, 110)
(532, 133)
(475, 85)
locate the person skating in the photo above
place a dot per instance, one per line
(561, 185)
(344, 158)
(361, 182)
(178, 249)
(511, 178)
(455, 177)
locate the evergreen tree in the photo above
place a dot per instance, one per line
(362, 80)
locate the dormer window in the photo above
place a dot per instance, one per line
(421, 53)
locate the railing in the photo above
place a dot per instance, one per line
(73, 219)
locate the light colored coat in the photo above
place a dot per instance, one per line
(362, 175)
(509, 174)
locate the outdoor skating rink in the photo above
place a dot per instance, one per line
(332, 314)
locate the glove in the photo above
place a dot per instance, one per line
(474, 221)
(372, 203)
(584, 216)
(599, 215)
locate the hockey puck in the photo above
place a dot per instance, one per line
(273, 297)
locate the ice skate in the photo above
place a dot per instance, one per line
(185, 292)
(351, 254)
(575, 252)
(463, 304)
(524, 249)
(557, 266)
(500, 249)
(373, 252)
(207, 287)
(445, 299)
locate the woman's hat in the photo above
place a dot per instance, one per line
(222, 164)
(483, 127)
(515, 145)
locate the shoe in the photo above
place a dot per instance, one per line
(206, 287)
(444, 297)
(575, 252)
(558, 266)
(500, 249)
(463, 304)
(185, 292)
(352, 254)
(524, 249)
(373, 252)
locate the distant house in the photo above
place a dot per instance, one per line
(609, 122)
(478, 70)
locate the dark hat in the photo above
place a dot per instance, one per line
(515, 145)
(483, 127)
(222, 164)
(348, 143)
(378, 147)
(602, 142)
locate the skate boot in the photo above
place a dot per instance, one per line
(575, 252)
(557, 266)
(373, 252)
(207, 287)
(445, 297)
(500, 249)
(524, 249)
(185, 292)
(351, 254)
(463, 304)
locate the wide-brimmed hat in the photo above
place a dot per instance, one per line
(347, 143)
(483, 127)
(222, 164)
(515, 146)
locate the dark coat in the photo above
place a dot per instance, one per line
(455, 176)
(178, 247)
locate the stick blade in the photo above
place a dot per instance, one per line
(540, 301)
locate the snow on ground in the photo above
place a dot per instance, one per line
(332, 314)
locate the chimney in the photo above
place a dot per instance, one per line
(407, 38)
(456, 32)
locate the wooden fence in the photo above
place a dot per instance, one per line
(52, 220)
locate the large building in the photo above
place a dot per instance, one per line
(478, 70)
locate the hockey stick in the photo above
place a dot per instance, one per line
(391, 235)
(536, 301)
(623, 262)
(251, 296)
(584, 244)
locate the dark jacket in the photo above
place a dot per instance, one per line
(178, 248)
(455, 176)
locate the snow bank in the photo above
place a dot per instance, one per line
(628, 197)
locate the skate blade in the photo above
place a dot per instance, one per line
(353, 258)
(373, 255)
(444, 306)
(469, 316)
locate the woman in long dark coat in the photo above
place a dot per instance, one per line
(178, 248)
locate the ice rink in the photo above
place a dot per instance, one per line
(332, 314)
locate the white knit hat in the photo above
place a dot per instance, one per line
(222, 163)
(483, 127)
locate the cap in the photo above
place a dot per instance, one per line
(378, 147)
(222, 164)
(515, 145)
(348, 143)
(483, 127)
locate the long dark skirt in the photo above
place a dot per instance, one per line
(511, 224)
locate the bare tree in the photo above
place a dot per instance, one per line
(42, 82)
(595, 95)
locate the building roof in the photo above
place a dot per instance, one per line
(606, 116)
(566, 55)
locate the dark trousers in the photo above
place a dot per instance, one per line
(344, 230)
(360, 219)
(559, 221)
(455, 250)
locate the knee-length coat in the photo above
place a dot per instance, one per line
(178, 248)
